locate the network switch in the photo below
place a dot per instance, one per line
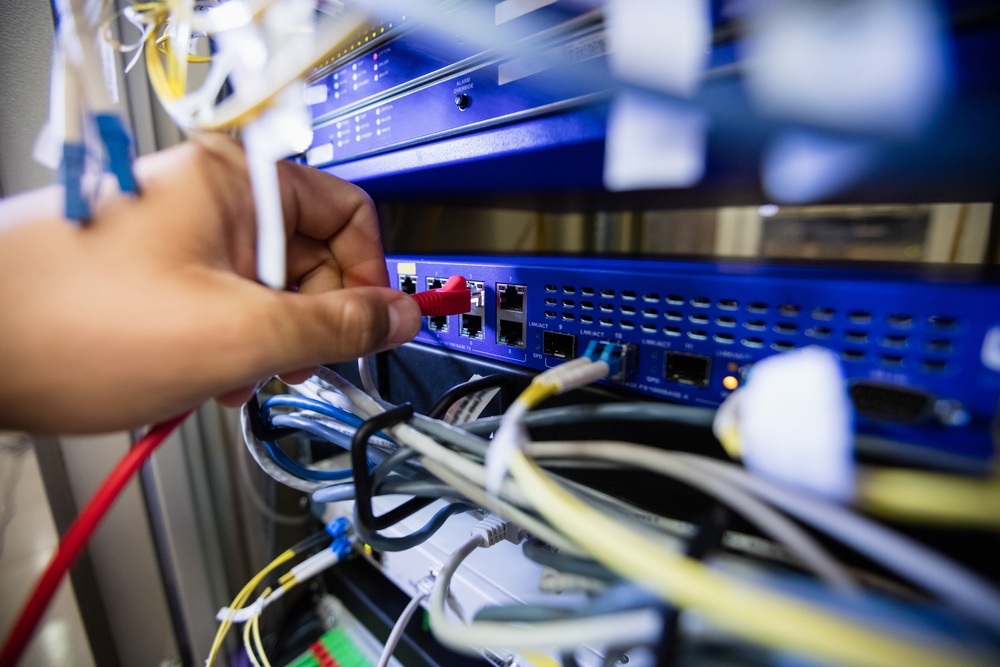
(413, 89)
(920, 348)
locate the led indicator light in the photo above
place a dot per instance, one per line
(730, 382)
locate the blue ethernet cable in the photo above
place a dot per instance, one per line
(305, 403)
(293, 467)
(321, 431)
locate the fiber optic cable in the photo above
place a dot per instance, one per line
(724, 600)
(687, 583)
(961, 588)
(774, 524)
(230, 612)
(930, 498)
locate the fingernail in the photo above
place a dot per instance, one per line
(404, 320)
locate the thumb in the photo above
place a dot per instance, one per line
(338, 325)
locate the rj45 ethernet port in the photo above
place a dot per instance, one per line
(511, 333)
(438, 323)
(511, 297)
(408, 284)
(559, 345)
(472, 326)
(692, 369)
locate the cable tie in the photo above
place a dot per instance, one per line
(454, 298)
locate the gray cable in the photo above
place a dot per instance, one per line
(451, 434)
(411, 487)
(772, 522)
(576, 414)
(964, 590)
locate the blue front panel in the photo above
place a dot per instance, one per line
(920, 333)
(485, 95)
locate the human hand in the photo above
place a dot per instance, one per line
(153, 307)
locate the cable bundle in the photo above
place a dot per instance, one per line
(837, 619)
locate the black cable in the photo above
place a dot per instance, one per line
(261, 430)
(465, 389)
(539, 552)
(364, 511)
(417, 537)
(707, 539)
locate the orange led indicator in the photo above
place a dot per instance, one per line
(730, 382)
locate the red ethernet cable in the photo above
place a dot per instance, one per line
(77, 536)
(452, 299)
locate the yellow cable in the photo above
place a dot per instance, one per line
(247, 644)
(744, 609)
(536, 392)
(229, 119)
(930, 498)
(258, 643)
(154, 68)
(164, 47)
(241, 599)
(729, 437)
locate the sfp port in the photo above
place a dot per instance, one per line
(692, 369)
(559, 345)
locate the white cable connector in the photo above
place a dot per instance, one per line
(315, 564)
(574, 374)
(511, 435)
(307, 569)
(493, 529)
(507, 440)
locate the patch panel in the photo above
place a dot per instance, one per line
(917, 345)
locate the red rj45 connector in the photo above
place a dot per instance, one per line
(452, 299)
